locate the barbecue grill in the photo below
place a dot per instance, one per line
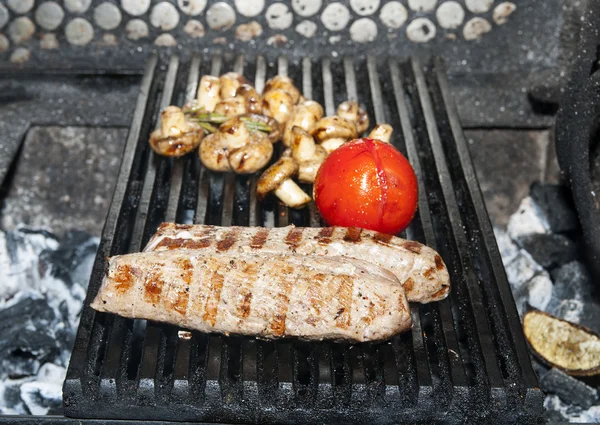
(465, 358)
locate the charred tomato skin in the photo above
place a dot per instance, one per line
(367, 183)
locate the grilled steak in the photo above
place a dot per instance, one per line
(263, 295)
(419, 268)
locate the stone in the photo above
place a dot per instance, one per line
(135, 7)
(194, 28)
(4, 16)
(250, 8)
(79, 32)
(479, 6)
(20, 55)
(21, 30)
(526, 221)
(421, 30)
(450, 15)
(568, 388)
(49, 15)
(249, 31)
(164, 16)
(4, 43)
(503, 11)
(192, 7)
(363, 30)
(572, 280)
(335, 16)
(77, 6)
(422, 5)
(220, 16)
(570, 310)
(364, 7)
(107, 16)
(521, 269)
(307, 29)
(40, 397)
(508, 249)
(279, 16)
(475, 28)
(20, 6)
(306, 8)
(548, 249)
(539, 290)
(556, 206)
(393, 14)
(165, 40)
(136, 29)
(48, 41)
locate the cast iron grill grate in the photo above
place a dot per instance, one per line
(465, 358)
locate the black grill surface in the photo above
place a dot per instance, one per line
(465, 358)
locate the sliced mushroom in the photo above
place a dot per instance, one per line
(304, 115)
(382, 132)
(251, 97)
(283, 83)
(332, 144)
(567, 346)
(213, 153)
(351, 111)
(278, 104)
(230, 83)
(278, 179)
(231, 107)
(176, 135)
(334, 127)
(208, 93)
(253, 156)
(308, 154)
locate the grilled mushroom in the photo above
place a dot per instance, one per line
(253, 156)
(234, 133)
(231, 107)
(252, 99)
(352, 112)
(334, 127)
(567, 346)
(308, 154)
(283, 83)
(278, 179)
(382, 132)
(208, 93)
(213, 153)
(264, 123)
(278, 104)
(176, 135)
(230, 83)
(304, 115)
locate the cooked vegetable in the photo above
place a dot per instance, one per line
(367, 183)
(352, 112)
(208, 93)
(382, 132)
(304, 115)
(230, 83)
(278, 179)
(307, 153)
(283, 83)
(176, 135)
(561, 344)
(278, 104)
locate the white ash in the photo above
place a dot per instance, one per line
(539, 289)
(527, 220)
(572, 413)
(508, 249)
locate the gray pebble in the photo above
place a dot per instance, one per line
(49, 15)
(21, 29)
(136, 29)
(79, 32)
(107, 16)
(77, 6)
(3, 16)
(21, 6)
(20, 55)
(135, 7)
(220, 16)
(164, 16)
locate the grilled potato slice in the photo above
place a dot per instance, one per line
(572, 348)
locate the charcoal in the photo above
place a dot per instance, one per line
(528, 219)
(569, 309)
(572, 281)
(508, 249)
(569, 389)
(549, 250)
(40, 397)
(539, 291)
(521, 270)
(556, 205)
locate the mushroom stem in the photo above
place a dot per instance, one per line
(332, 144)
(382, 132)
(172, 121)
(291, 194)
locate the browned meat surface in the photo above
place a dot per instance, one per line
(419, 268)
(263, 295)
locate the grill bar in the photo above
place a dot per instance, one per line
(448, 368)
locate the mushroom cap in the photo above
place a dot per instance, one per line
(334, 127)
(230, 83)
(382, 132)
(176, 145)
(351, 111)
(278, 103)
(231, 107)
(253, 156)
(252, 98)
(276, 174)
(213, 153)
(275, 133)
(286, 84)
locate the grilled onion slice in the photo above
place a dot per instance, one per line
(572, 348)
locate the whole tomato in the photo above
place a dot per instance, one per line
(367, 183)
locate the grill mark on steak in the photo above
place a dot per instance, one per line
(408, 284)
(441, 292)
(429, 273)
(153, 285)
(214, 296)
(353, 234)
(282, 301)
(439, 263)
(260, 238)
(171, 243)
(344, 297)
(250, 270)
(228, 241)
(324, 236)
(413, 246)
(382, 238)
(294, 237)
(312, 293)
(180, 302)
(123, 277)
